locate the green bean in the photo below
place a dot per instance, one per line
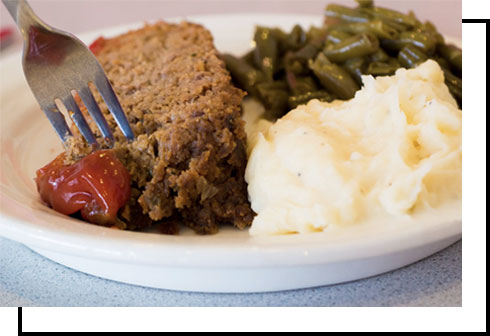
(274, 96)
(455, 80)
(429, 27)
(455, 86)
(335, 79)
(346, 14)
(336, 36)
(281, 37)
(443, 63)
(316, 35)
(365, 3)
(410, 56)
(297, 62)
(356, 68)
(394, 25)
(287, 41)
(249, 57)
(379, 56)
(296, 100)
(383, 68)
(453, 54)
(456, 92)
(355, 46)
(412, 15)
(391, 15)
(327, 62)
(422, 40)
(296, 38)
(243, 73)
(301, 84)
(295, 66)
(309, 51)
(376, 27)
(266, 48)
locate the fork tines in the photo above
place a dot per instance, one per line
(107, 93)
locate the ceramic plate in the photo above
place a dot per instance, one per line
(230, 261)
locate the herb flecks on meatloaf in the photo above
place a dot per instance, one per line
(188, 159)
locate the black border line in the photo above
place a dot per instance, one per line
(19, 320)
(476, 20)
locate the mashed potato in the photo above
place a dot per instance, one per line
(392, 150)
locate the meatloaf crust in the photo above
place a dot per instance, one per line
(188, 159)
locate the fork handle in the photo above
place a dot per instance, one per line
(23, 15)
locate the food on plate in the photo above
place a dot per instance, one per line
(285, 70)
(98, 186)
(392, 151)
(188, 159)
(374, 130)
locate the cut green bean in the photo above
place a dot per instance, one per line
(455, 86)
(376, 27)
(443, 63)
(429, 27)
(336, 36)
(422, 40)
(274, 96)
(295, 66)
(455, 80)
(411, 56)
(243, 73)
(309, 51)
(333, 78)
(412, 15)
(356, 68)
(296, 38)
(453, 54)
(379, 56)
(365, 3)
(289, 41)
(383, 68)
(316, 35)
(297, 61)
(301, 84)
(266, 47)
(355, 46)
(295, 101)
(392, 15)
(249, 57)
(346, 13)
(281, 38)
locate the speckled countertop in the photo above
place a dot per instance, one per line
(28, 279)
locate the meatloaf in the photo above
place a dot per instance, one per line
(188, 159)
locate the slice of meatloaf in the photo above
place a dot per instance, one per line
(188, 159)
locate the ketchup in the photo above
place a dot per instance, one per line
(98, 186)
(97, 45)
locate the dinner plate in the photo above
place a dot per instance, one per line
(230, 261)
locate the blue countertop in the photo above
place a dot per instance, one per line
(28, 279)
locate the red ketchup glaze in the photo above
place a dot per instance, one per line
(97, 45)
(98, 186)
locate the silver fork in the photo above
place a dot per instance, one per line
(56, 63)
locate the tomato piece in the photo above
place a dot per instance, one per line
(97, 45)
(98, 186)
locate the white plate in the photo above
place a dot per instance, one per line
(230, 261)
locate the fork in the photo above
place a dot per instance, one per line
(58, 65)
